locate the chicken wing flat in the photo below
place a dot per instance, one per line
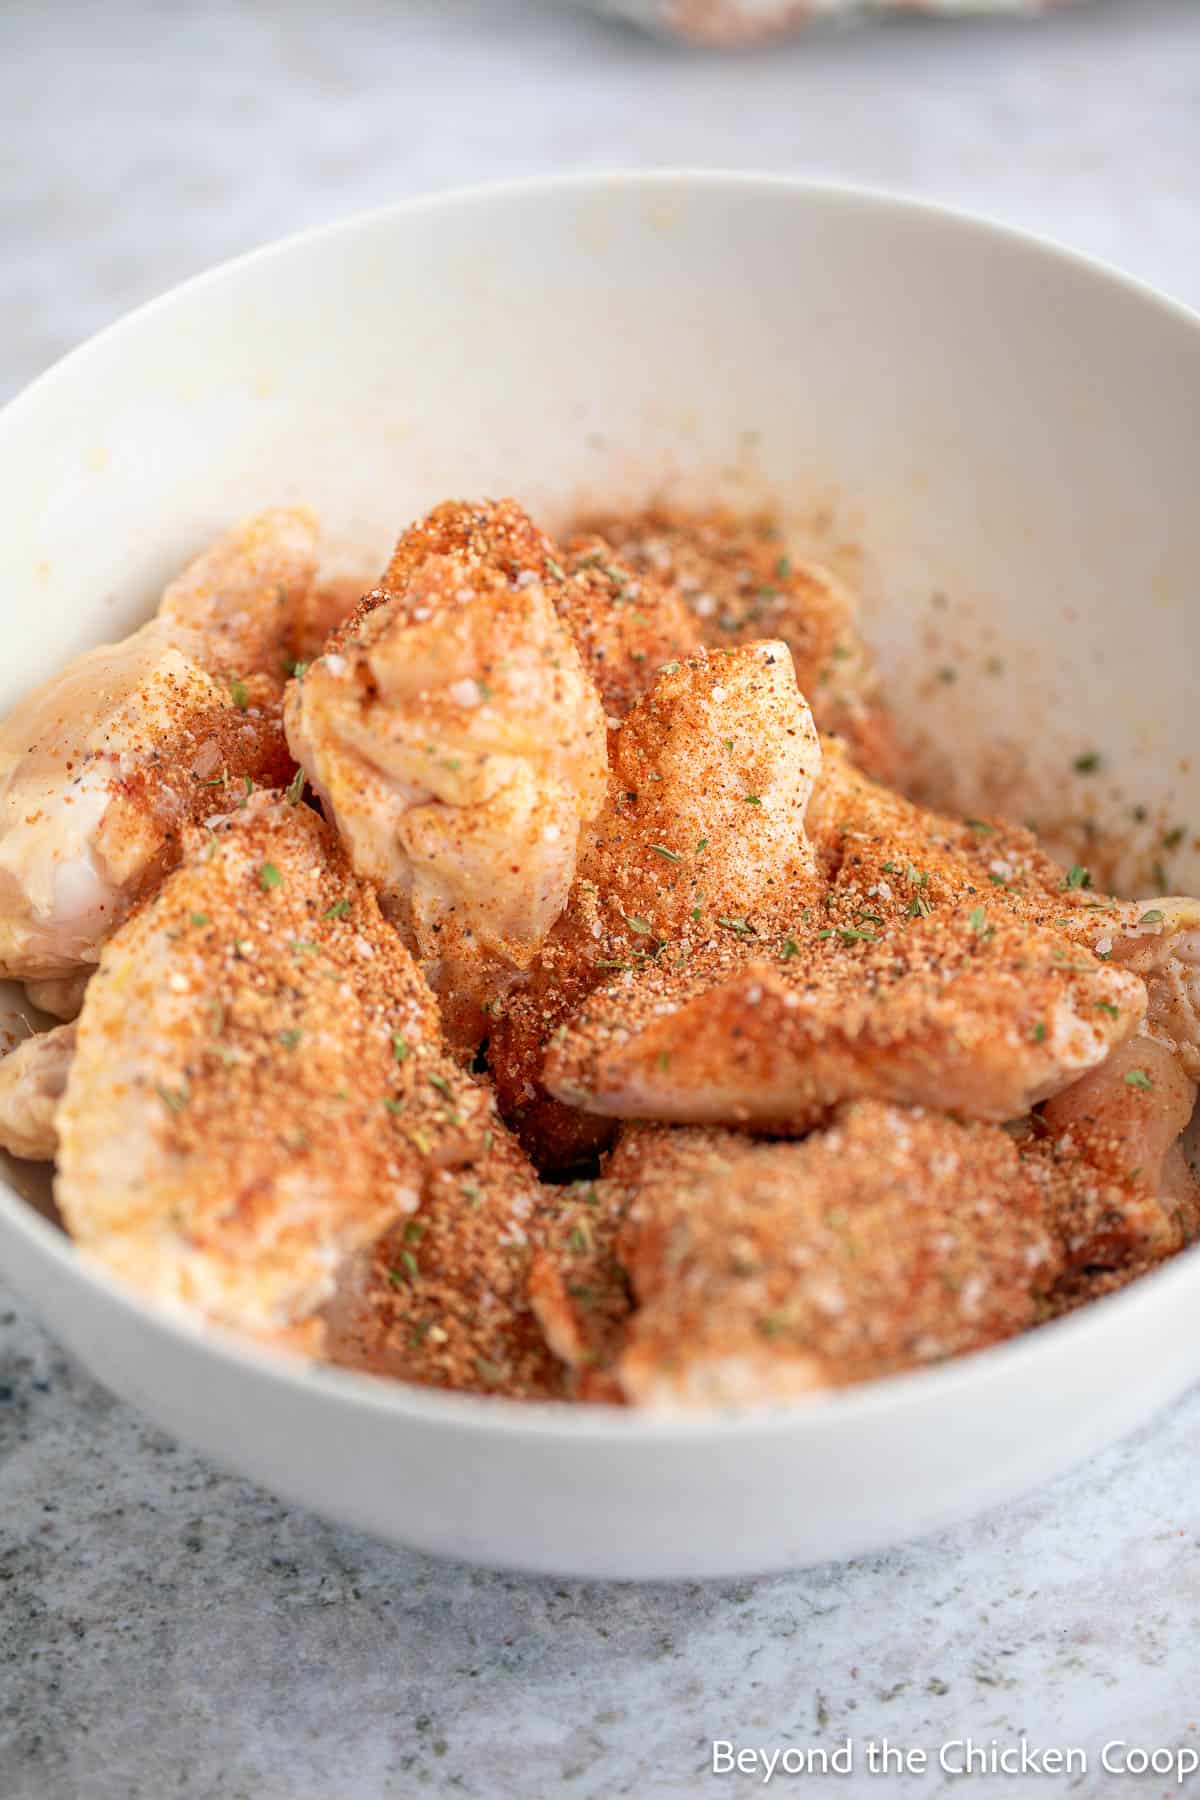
(892, 1239)
(458, 744)
(103, 766)
(974, 1016)
(259, 1087)
(702, 836)
(737, 578)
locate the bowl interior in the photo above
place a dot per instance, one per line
(994, 440)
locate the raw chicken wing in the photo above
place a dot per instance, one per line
(702, 836)
(101, 768)
(458, 743)
(764, 1271)
(967, 1013)
(738, 580)
(1121, 1187)
(259, 1088)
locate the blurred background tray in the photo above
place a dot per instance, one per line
(740, 21)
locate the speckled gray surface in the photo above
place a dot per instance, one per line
(166, 1629)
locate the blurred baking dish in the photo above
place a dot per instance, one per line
(737, 21)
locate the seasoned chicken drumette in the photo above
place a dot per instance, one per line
(971, 1013)
(103, 766)
(702, 836)
(259, 1087)
(458, 743)
(763, 1271)
(736, 577)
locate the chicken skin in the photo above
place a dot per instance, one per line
(737, 579)
(764, 1271)
(103, 766)
(863, 863)
(458, 744)
(259, 1087)
(702, 835)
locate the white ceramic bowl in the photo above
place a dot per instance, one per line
(1006, 438)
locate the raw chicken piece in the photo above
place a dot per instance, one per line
(240, 608)
(1160, 941)
(626, 623)
(1120, 1185)
(102, 767)
(455, 738)
(327, 605)
(259, 1087)
(59, 995)
(702, 837)
(737, 578)
(577, 1284)
(578, 1289)
(764, 1271)
(966, 1012)
(441, 1298)
(886, 858)
(33, 1078)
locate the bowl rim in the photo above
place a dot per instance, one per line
(861, 1403)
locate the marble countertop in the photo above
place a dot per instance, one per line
(168, 1630)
